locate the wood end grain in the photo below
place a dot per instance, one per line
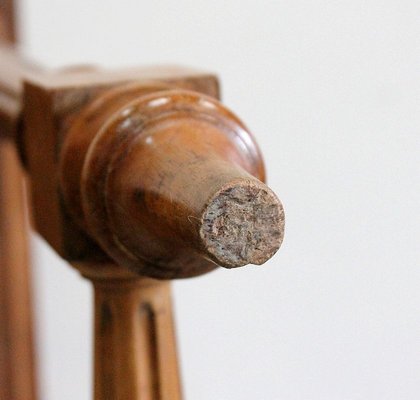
(242, 224)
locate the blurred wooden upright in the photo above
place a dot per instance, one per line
(7, 21)
(17, 377)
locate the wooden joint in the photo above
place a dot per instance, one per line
(155, 174)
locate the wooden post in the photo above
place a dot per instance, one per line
(137, 177)
(163, 182)
(135, 348)
(135, 356)
(17, 369)
(17, 377)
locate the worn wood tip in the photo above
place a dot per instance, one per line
(169, 183)
(242, 224)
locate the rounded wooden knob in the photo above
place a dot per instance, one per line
(169, 183)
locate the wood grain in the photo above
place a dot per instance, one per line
(134, 342)
(62, 98)
(134, 174)
(17, 366)
(135, 349)
(169, 183)
(17, 374)
(7, 21)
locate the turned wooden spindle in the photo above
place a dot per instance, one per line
(137, 177)
(169, 183)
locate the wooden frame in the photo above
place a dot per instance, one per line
(137, 177)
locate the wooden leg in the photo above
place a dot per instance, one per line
(135, 350)
(17, 373)
(16, 345)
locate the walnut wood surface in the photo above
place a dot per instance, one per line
(135, 354)
(135, 350)
(17, 380)
(7, 21)
(62, 98)
(17, 369)
(167, 184)
(140, 173)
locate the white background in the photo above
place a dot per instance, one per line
(331, 90)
